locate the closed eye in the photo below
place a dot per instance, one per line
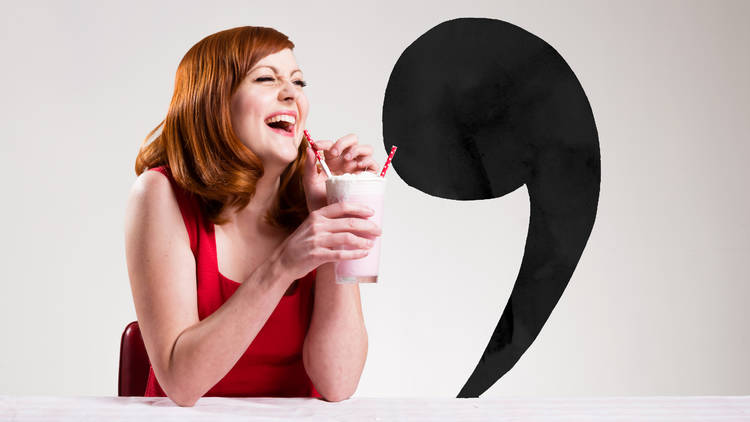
(300, 82)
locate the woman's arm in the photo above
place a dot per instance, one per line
(188, 356)
(335, 348)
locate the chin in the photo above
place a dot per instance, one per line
(285, 153)
(288, 158)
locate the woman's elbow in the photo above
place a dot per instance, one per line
(336, 396)
(180, 396)
(183, 401)
(189, 403)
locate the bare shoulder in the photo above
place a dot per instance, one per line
(161, 267)
(152, 201)
(150, 185)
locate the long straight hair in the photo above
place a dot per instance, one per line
(197, 142)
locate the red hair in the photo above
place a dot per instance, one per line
(197, 142)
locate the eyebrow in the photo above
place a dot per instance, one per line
(272, 68)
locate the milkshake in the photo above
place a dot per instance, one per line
(363, 188)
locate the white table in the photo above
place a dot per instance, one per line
(703, 408)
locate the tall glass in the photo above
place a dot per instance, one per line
(363, 188)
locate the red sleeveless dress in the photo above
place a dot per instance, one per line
(272, 364)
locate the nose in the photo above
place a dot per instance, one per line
(287, 91)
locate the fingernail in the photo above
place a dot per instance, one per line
(334, 152)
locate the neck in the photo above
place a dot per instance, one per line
(252, 216)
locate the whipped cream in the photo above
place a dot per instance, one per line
(365, 175)
(348, 185)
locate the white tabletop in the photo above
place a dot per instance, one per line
(702, 408)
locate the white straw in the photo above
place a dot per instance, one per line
(323, 163)
(317, 154)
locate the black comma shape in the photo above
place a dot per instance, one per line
(478, 107)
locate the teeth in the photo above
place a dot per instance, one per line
(282, 117)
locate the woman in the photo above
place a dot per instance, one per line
(230, 244)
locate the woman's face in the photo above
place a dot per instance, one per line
(273, 86)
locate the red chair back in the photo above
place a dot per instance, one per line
(134, 363)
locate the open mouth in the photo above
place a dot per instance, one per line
(283, 125)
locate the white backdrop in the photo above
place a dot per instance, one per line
(656, 306)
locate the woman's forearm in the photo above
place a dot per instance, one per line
(335, 348)
(204, 353)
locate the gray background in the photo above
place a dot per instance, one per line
(656, 306)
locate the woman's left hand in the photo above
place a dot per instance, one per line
(345, 155)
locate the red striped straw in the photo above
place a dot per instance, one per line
(317, 154)
(388, 161)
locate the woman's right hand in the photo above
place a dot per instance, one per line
(335, 232)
